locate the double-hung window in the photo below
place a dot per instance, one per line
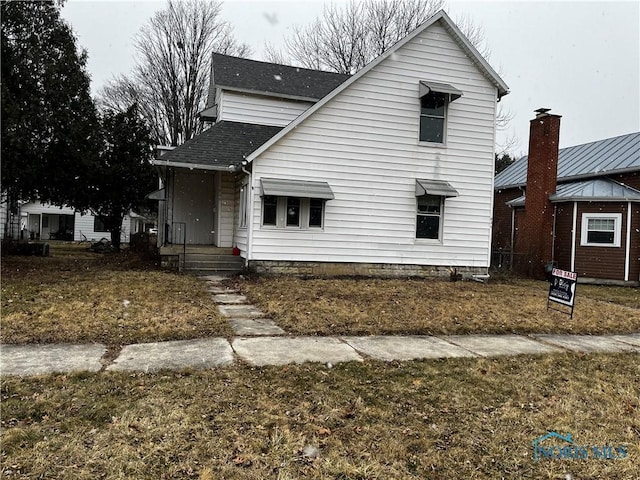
(601, 229)
(293, 204)
(430, 199)
(434, 104)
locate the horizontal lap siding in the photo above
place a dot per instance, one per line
(564, 228)
(364, 143)
(237, 107)
(601, 262)
(634, 254)
(227, 209)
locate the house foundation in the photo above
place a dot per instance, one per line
(335, 269)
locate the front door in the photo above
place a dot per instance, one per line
(34, 226)
(194, 207)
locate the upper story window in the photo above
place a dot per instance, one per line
(601, 229)
(434, 104)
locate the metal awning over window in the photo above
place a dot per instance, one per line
(426, 87)
(296, 188)
(435, 187)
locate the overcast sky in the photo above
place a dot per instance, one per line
(581, 59)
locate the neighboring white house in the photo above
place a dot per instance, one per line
(389, 171)
(41, 221)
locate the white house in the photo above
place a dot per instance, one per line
(41, 221)
(386, 172)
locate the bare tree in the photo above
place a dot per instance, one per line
(170, 80)
(344, 39)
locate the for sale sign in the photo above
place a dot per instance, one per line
(563, 287)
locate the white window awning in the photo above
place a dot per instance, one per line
(427, 86)
(435, 187)
(296, 188)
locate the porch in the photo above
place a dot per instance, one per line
(200, 259)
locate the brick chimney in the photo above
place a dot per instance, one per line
(535, 238)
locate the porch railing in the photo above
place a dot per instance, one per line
(178, 236)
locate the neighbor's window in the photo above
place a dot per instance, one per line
(98, 225)
(429, 217)
(433, 111)
(601, 229)
(292, 212)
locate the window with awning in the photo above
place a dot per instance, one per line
(430, 198)
(434, 102)
(294, 204)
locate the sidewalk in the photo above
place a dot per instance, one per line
(267, 350)
(259, 341)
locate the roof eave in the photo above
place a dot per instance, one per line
(265, 93)
(194, 166)
(578, 198)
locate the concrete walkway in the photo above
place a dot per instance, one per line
(261, 342)
(219, 352)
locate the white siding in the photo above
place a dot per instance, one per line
(84, 225)
(227, 209)
(240, 234)
(247, 108)
(364, 143)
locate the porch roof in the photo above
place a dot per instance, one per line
(221, 147)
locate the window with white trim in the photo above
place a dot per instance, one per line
(601, 229)
(433, 117)
(429, 217)
(292, 212)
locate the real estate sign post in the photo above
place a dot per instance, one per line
(563, 288)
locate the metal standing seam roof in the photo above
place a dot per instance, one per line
(596, 190)
(603, 157)
(271, 78)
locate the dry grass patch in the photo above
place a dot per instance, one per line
(441, 419)
(389, 306)
(77, 296)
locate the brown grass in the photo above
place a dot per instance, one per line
(440, 419)
(77, 296)
(375, 306)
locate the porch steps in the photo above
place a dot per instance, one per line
(206, 264)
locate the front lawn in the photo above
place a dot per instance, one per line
(76, 296)
(390, 306)
(436, 419)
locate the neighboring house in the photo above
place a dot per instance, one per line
(386, 172)
(40, 221)
(577, 208)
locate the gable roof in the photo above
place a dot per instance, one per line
(223, 145)
(603, 157)
(453, 30)
(234, 73)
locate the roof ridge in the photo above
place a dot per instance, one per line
(280, 64)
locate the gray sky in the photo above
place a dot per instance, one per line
(581, 59)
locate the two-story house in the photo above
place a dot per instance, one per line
(386, 172)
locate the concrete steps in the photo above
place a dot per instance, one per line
(208, 264)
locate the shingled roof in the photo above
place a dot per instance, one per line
(271, 78)
(596, 159)
(222, 145)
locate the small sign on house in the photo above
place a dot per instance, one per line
(562, 288)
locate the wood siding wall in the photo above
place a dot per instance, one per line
(502, 218)
(364, 143)
(564, 227)
(602, 262)
(238, 107)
